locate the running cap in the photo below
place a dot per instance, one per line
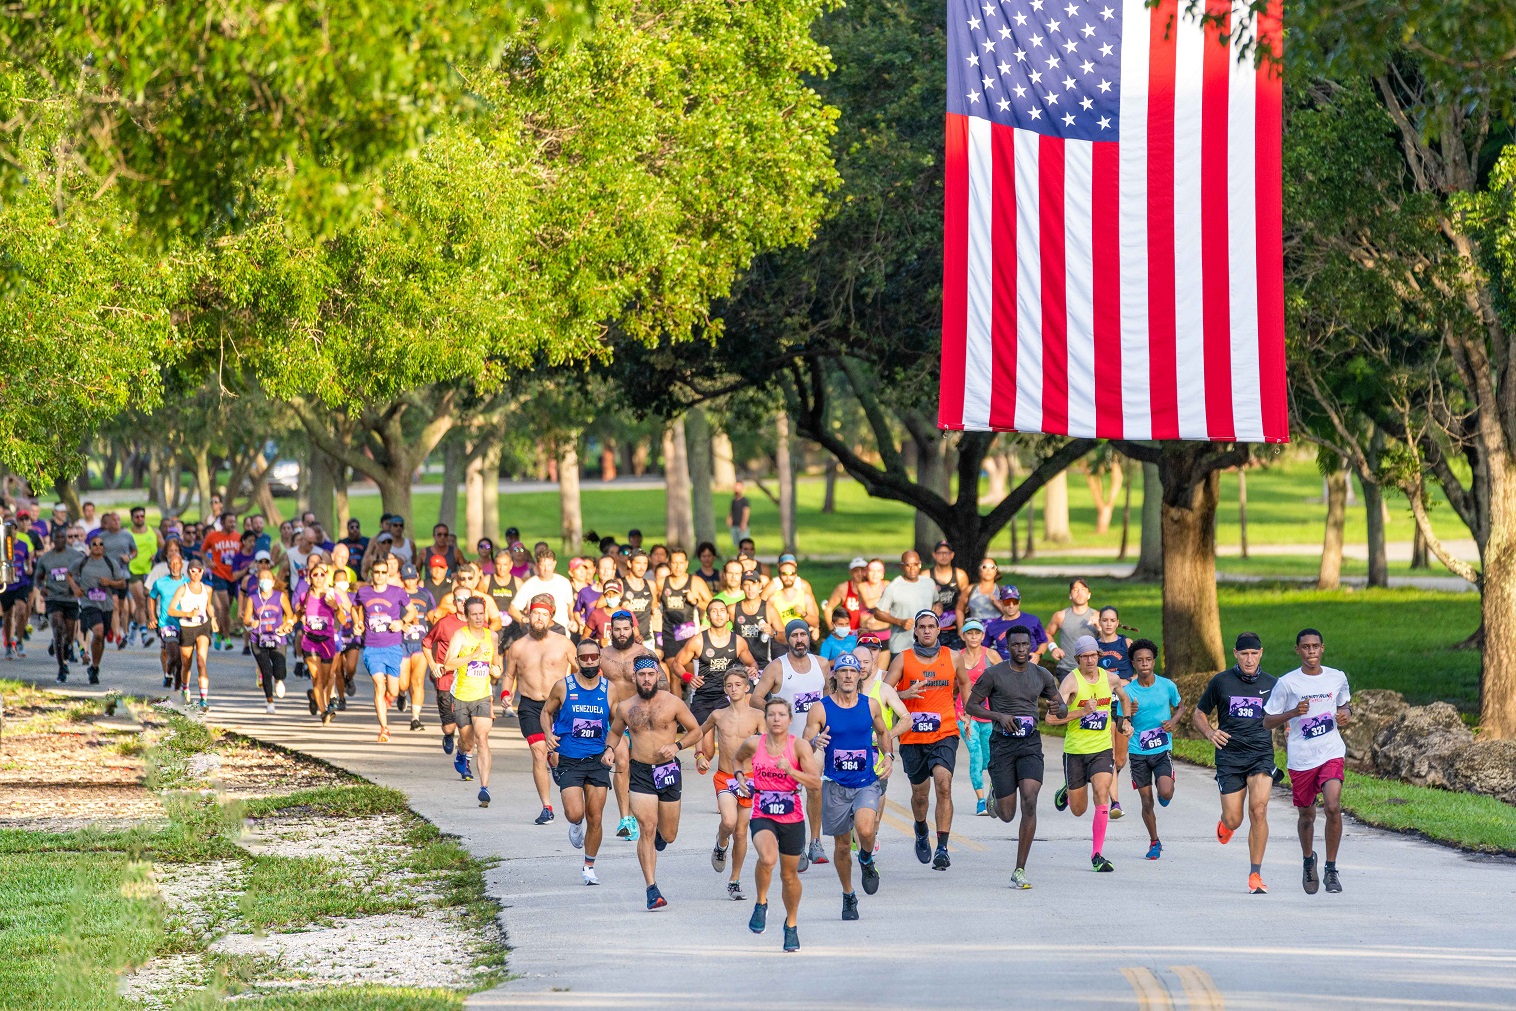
(752, 576)
(1086, 644)
(925, 612)
(942, 544)
(408, 572)
(846, 661)
(972, 625)
(794, 625)
(1248, 640)
(858, 563)
(262, 556)
(437, 561)
(612, 586)
(386, 536)
(645, 662)
(1010, 593)
(624, 614)
(870, 639)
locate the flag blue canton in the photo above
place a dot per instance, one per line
(1051, 66)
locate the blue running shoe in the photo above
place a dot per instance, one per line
(1156, 850)
(659, 843)
(484, 797)
(923, 848)
(759, 921)
(447, 744)
(1164, 801)
(461, 764)
(791, 938)
(655, 899)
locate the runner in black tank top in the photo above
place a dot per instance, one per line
(750, 627)
(677, 611)
(714, 662)
(640, 603)
(504, 593)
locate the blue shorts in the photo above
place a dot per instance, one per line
(222, 585)
(410, 646)
(383, 660)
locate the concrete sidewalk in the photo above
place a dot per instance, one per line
(1418, 924)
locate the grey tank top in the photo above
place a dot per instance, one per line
(1074, 626)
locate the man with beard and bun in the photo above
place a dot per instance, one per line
(1006, 695)
(533, 665)
(847, 724)
(732, 724)
(703, 662)
(577, 715)
(798, 677)
(617, 662)
(925, 676)
(652, 720)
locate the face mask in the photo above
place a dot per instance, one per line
(589, 666)
(840, 632)
(265, 585)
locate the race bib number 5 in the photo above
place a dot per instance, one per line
(1247, 707)
(804, 701)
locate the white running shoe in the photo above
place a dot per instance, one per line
(576, 835)
(269, 709)
(278, 689)
(588, 874)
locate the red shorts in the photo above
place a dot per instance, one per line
(723, 781)
(1307, 783)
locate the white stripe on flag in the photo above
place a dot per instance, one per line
(1079, 271)
(978, 366)
(1242, 252)
(1028, 286)
(1189, 274)
(1136, 386)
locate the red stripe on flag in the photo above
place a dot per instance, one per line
(1214, 251)
(955, 265)
(1003, 320)
(1105, 242)
(1269, 228)
(1055, 316)
(1162, 355)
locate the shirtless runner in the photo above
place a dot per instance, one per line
(533, 664)
(616, 662)
(731, 724)
(652, 720)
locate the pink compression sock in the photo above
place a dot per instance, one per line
(1102, 818)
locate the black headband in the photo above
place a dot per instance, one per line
(1248, 640)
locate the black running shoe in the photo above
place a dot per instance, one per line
(94, 675)
(341, 704)
(1333, 883)
(1308, 879)
(923, 848)
(400, 703)
(941, 862)
(870, 876)
(1101, 864)
(310, 698)
(850, 907)
(545, 817)
(415, 724)
(1061, 798)
(659, 843)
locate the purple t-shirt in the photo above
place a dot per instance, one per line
(383, 611)
(585, 600)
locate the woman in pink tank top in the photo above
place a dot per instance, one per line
(779, 771)
(975, 658)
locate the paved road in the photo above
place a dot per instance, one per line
(1417, 926)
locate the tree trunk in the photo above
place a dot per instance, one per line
(316, 481)
(785, 464)
(1105, 507)
(569, 511)
(1420, 556)
(1191, 617)
(1497, 679)
(203, 490)
(1331, 545)
(723, 465)
(1031, 529)
(679, 523)
(931, 473)
(607, 461)
(473, 499)
(1150, 550)
(489, 477)
(1376, 513)
(452, 476)
(829, 500)
(640, 453)
(1126, 514)
(697, 431)
(1055, 511)
(339, 495)
(1242, 508)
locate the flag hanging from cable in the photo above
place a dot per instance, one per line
(1113, 249)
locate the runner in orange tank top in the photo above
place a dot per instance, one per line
(926, 679)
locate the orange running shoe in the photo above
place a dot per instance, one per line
(1256, 885)
(384, 735)
(1223, 834)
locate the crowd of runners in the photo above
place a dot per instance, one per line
(800, 710)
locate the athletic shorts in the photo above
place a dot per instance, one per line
(919, 759)
(410, 647)
(474, 709)
(1307, 783)
(1146, 768)
(529, 716)
(67, 608)
(792, 835)
(10, 597)
(136, 577)
(703, 707)
(581, 772)
(382, 660)
(1008, 771)
(1078, 770)
(222, 585)
(642, 781)
(169, 633)
(445, 708)
(840, 803)
(89, 617)
(723, 781)
(324, 650)
(190, 633)
(1234, 777)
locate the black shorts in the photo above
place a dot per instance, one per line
(703, 707)
(919, 759)
(445, 708)
(641, 776)
(581, 772)
(67, 608)
(792, 835)
(1008, 770)
(89, 617)
(189, 633)
(529, 716)
(11, 596)
(1234, 776)
(1079, 769)
(1146, 768)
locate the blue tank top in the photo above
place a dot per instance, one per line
(1114, 658)
(850, 750)
(581, 723)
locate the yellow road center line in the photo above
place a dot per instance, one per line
(1152, 995)
(1199, 988)
(909, 827)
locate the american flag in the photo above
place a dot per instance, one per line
(1113, 261)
